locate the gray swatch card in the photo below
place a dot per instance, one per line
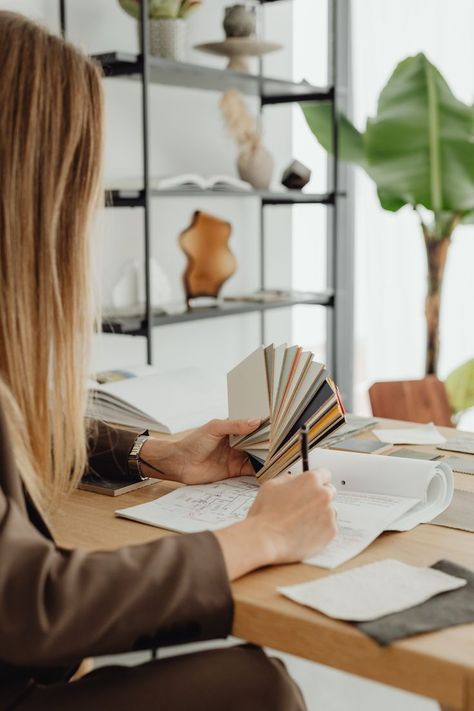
(460, 512)
(414, 454)
(461, 465)
(353, 444)
(445, 610)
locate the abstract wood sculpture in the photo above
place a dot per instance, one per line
(210, 261)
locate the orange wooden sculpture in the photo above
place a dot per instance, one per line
(210, 261)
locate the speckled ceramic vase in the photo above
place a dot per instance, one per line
(168, 38)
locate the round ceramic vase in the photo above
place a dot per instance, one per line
(239, 21)
(255, 165)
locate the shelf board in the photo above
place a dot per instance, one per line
(136, 197)
(197, 76)
(134, 325)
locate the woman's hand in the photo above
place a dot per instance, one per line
(291, 519)
(201, 456)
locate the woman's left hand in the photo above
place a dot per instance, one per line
(201, 456)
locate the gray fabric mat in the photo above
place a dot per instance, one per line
(460, 512)
(445, 610)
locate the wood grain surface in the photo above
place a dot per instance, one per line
(439, 664)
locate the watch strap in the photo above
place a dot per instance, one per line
(134, 456)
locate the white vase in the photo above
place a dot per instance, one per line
(168, 38)
(129, 290)
(255, 166)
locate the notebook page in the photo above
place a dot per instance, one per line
(430, 482)
(190, 509)
(361, 518)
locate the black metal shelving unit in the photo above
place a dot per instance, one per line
(132, 197)
(149, 70)
(136, 326)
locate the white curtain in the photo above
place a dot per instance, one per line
(390, 261)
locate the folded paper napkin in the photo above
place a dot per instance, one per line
(372, 591)
(447, 610)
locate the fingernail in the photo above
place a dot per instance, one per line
(253, 423)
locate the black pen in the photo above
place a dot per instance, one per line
(304, 447)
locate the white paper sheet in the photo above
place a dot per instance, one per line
(361, 517)
(190, 509)
(374, 494)
(373, 590)
(427, 434)
(431, 482)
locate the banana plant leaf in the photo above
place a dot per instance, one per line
(351, 141)
(460, 387)
(419, 148)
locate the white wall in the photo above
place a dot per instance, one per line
(187, 136)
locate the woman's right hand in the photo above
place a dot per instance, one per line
(291, 519)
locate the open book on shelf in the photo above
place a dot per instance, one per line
(285, 387)
(374, 494)
(189, 182)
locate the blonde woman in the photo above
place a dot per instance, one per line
(58, 606)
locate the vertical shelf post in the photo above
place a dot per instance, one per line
(145, 76)
(340, 229)
(260, 33)
(332, 232)
(62, 17)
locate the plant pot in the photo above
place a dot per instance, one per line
(255, 165)
(168, 38)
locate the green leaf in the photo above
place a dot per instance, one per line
(467, 218)
(158, 9)
(420, 146)
(460, 387)
(132, 7)
(389, 201)
(351, 142)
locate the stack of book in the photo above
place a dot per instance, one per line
(286, 388)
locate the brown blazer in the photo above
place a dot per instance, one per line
(58, 606)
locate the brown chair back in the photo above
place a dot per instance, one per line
(421, 401)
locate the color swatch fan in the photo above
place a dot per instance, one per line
(286, 388)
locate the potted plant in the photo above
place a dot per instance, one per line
(167, 24)
(419, 150)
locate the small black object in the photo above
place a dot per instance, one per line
(296, 176)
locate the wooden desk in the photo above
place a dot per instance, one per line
(439, 665)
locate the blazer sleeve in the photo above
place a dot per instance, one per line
(109, 448)
(58, 606)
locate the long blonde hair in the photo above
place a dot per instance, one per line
(50, 175)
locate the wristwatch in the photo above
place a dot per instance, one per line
(134, 455)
